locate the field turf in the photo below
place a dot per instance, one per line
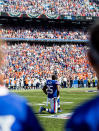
(70, 98)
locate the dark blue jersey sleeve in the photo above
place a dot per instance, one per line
(32, 123)
(85, 117)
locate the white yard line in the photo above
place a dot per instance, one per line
(60, 116)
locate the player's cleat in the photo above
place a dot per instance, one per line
(59, 110)
(41, 109)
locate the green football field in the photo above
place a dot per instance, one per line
(69, 99)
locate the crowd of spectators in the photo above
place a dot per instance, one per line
(43, 33)
(51, 7)
(41, 61)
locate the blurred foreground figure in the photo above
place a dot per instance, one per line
(15, 114)
(86, 116)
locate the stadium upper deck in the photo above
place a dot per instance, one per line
(50, 7)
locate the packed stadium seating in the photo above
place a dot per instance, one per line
(40, 61)
(43, 33)
(51, 7)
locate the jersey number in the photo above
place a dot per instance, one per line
(6, 122)
(49, 90)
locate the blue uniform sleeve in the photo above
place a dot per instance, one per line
(85, 117)
(75, 124)
(32, 123)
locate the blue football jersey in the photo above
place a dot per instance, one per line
(85, 117)
(52, 88)
(16, 115)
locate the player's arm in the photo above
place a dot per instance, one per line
(44, 89)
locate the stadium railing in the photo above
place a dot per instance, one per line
(43, 40)
(49, 16)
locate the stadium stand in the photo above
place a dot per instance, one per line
(30, 64)
(38, 62)
(41, 32)
(54, 7)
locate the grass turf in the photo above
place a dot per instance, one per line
(73, 97)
